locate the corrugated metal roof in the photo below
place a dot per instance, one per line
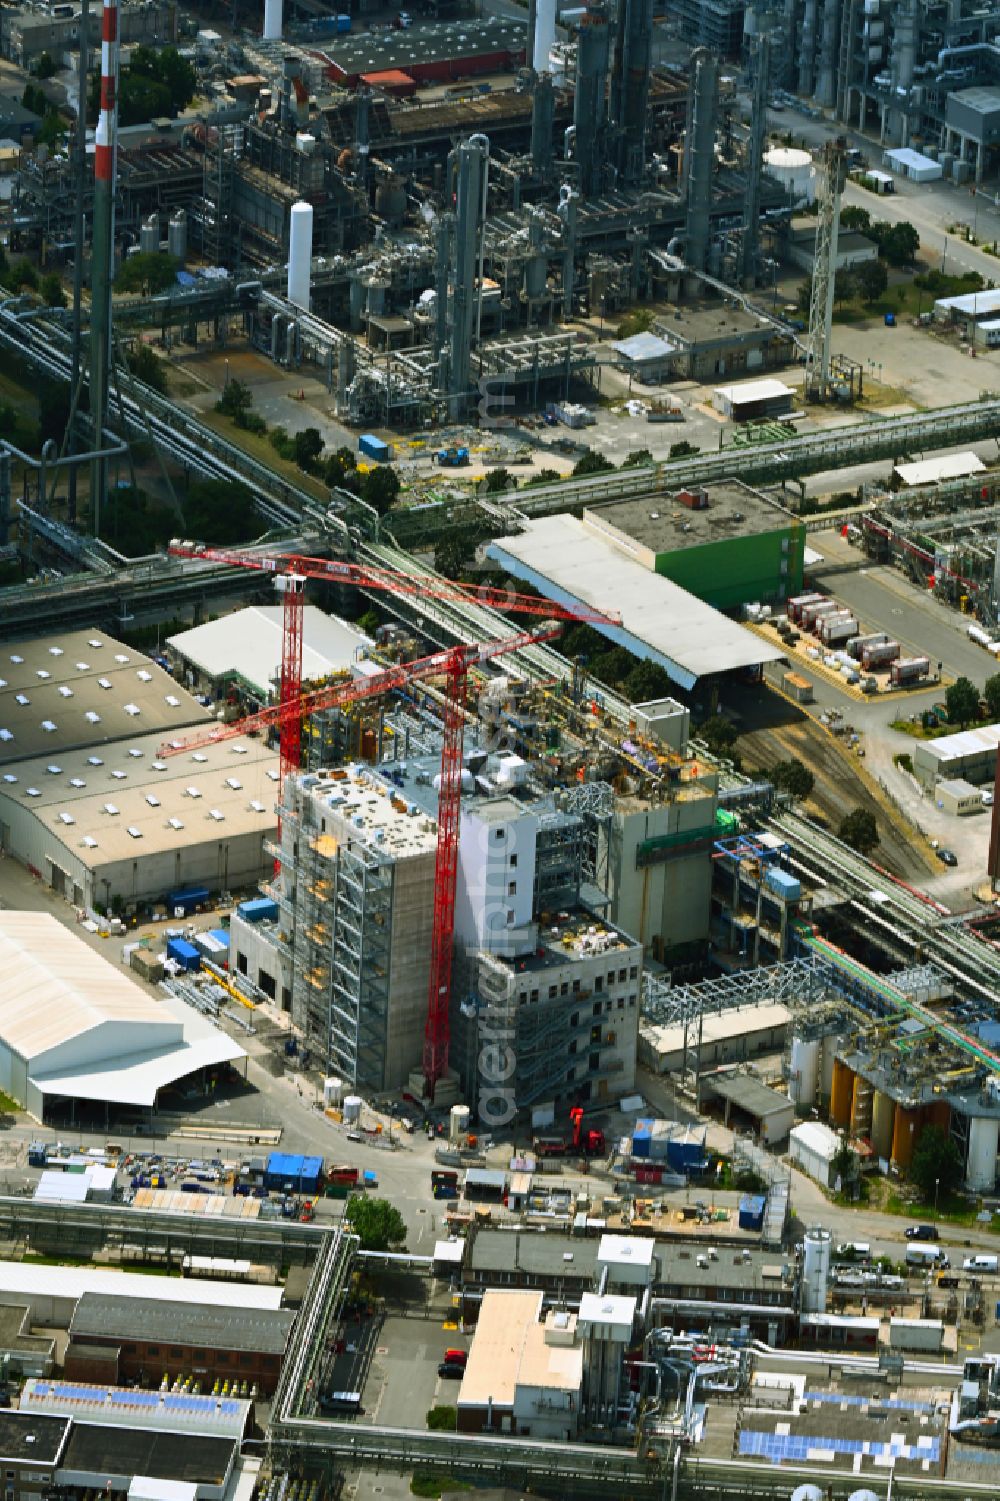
(29, 1279)
(55, 988)
(661, 622)
(933, 471)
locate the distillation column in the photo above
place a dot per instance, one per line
(102, 253)
(470, 213)
(543, 114)
(826, 81)
(590, 103)
(630, 86)
(750, 245)
(699, 156)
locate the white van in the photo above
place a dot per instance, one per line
(927, 1255)
(860, 1250)
(981, 1263)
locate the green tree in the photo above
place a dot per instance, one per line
(281, 443)
(683, 450)
(132, 526)
(935, 1164)
(170, 69)
(543, 477)
(962, 701)
(34, 99)
(51, 130)
(498, 480)
(897, 243)
(844, 1162)
(647, 681)
(50, 290)
(369, 622)
(451, 554)
(220, 511)
(592, 462)
(148, 272)
(719, 734)
(154, 83)
(308, 445)
(854, 217)
(794, 777)
(872, 279)
(637, 457)
(19, 274)
(378, 1223)
(638, 321)
(991, 693)
(45, 67)
(340, 472)
(844, 285)
(859, 830)
(442, 1419)
(235, 402)
(380, 488)
(148, 368)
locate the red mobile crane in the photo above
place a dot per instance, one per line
(453, 664)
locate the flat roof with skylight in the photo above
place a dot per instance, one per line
(84, 688)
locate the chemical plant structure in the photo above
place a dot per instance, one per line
(302, 913)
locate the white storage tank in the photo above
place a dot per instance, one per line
(272, 20)
(458, 1122)
(804, 1071)
(352, 1109)
(981, 1168)
(545, 34)
(816, 1247)
(300, 254)
(807, 1492)
(333, 1093)
(794, 170)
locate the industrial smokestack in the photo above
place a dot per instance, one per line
(300, 254)
(102, 256)
(272, 20)
(544, 34)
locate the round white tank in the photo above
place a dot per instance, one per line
(981, 1168)
(333, 1093)
(458, 1122)
(816, 1249)
(807, 1492)
(794, 170)
(545, 34)
(862, 1496)
(804, 1071)
(272, 20)
(352, 1109)
(300, 254)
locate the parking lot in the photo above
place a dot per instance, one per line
(403, 1382)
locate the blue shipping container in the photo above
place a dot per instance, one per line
(184, 953)
(784, 885)
(189, 898)
(260, 909)
(686, 1156)
(640, 1145)
(303, 1173)
(222, 934)
(752, 1212)
(343, 23)
(374, 448)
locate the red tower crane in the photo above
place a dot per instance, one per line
(453, 664)
(292, 571)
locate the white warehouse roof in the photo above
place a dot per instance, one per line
(814, 1137)
(23, 1279)
(85, 1029)
(934, 471)
(976, 304)
(248, 642)
(766, 389)
(661, 622)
